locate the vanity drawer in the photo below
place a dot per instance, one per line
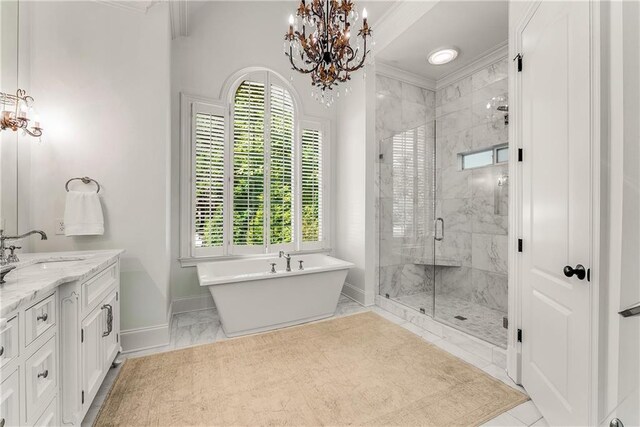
(94, 289)
(9, 347)
(10, 400)
(41, 376)
(39, 318)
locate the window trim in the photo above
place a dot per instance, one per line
(189, 255)
(494, 161)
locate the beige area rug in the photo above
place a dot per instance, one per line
(356, 370)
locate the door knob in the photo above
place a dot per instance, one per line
(616, 423)
(579, 271)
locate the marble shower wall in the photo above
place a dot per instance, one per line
(404, 108)
(471, 202)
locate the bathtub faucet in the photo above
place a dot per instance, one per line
(281, 254)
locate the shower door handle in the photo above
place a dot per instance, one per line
(441, 221)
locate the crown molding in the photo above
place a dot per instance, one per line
(484, 60)
(178, 14)
(387, 13)
(140, 6)
(397, 18)
(387, 70)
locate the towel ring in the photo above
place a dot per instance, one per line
(85, 180)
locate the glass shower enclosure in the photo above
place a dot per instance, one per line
(442, 214)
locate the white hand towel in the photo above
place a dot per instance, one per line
(83, 214)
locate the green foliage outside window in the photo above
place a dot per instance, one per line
(249, 168)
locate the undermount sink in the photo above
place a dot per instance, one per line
(53, 264)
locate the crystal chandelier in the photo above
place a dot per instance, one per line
(15, 113)
(324, 46)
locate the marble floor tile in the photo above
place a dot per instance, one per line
(197, 333)
(528, 413)
(465, 355)
(482, 322)
(192, 317)
(501, 374)
(347, 306)
(389, 316)
(505, 420)
(540, 423)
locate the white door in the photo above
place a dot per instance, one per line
(556, 176)
(93, 327)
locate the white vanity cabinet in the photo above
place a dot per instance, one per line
(29, 369)
(90, 339)
(58, 341)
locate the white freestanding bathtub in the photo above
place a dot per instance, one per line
(250, 298)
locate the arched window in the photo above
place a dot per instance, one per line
(257, 169)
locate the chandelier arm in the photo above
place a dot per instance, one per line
(346, 66)
(296, 67)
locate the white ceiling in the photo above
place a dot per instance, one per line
(474, 27)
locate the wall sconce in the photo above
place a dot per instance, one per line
(16, 112)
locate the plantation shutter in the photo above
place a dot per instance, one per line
(403, 183)
(423, 183)
(248, 167)
(208, 183)
(281, 131)
(311, 185)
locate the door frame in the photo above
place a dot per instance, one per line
(514, 348)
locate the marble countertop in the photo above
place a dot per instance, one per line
(37, 274)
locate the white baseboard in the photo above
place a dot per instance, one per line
(356, 294)
(144, 338)
(192, 303)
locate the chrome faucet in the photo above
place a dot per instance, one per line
(281, 254)
(4, 259)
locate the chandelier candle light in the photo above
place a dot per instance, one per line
(323, 47)
(15, 113)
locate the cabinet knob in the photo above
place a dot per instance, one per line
(44, 317)
(44, 374)
(2, 422)
(1, 350)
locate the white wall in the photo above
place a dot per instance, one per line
(101, 78)
(225, 37)
(356, 238)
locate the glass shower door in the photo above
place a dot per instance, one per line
(406, 215)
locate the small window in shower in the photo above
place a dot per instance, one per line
(502, 154)
(488, 157)
(477, 159)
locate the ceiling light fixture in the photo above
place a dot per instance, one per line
(443, 56)
(325, 47)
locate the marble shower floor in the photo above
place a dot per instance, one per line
(482, 322)
(203, 326)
